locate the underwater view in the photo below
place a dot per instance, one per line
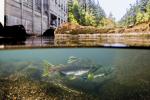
(74, 50)
(75, 73)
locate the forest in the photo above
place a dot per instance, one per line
(137, 13)
(90, 13)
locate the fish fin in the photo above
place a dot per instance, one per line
(72, 77)
(90, 76)
(47, 64)
(45, 74)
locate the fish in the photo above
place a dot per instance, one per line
(91, 76)
(99, 75)
(74, 71)
(72, 59)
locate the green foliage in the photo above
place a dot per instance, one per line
(76, 10)
(146, 17)
(87, 16)
(148, 9)
(72, 18)
(72, 12)
(139, 17)
(138, 13)
(90, 19)
(106, 22)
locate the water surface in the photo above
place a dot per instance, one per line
(75, 41)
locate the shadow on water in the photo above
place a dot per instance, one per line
(12, 41)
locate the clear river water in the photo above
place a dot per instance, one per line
(121, 74)
(94, 73)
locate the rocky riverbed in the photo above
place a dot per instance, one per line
(25, 89)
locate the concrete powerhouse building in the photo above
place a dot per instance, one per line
(35, 15)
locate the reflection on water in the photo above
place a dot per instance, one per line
(12, 41)
(104, 74)
(114, 41)
(107, 41)
(39, 41)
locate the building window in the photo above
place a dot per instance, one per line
(55, 1)
(38, 4)
(45, 6)
(28, 3)
(62, 6)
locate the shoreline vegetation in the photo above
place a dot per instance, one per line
(92, 19)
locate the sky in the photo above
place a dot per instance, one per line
(116, 7)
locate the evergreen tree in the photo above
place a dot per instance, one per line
(85, 12)
(138, 13)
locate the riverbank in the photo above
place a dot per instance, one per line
(74, 29)
(71, 36)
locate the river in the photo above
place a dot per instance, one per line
(75, 41)
(127, 80)
(101, 73)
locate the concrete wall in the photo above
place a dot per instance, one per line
(36, 19)
(2, 12)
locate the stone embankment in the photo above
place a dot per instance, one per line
(69, 29)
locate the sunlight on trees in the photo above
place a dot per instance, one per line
(107, 23)
(90, 15)
(139, 17)
(90, 19)
(138, 13)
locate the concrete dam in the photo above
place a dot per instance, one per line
(35, 15)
